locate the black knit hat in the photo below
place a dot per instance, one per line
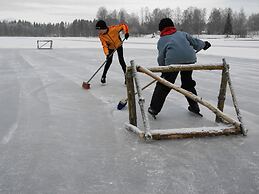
(100, 25)
(166, 22)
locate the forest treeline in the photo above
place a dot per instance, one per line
(192, 20)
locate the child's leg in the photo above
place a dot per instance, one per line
(189, 84)
(161, 91)
(121, 59)
(108, 64)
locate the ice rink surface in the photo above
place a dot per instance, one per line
(56, 137)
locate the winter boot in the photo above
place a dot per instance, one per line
(103, 80)
(152, 112)
(195, 109)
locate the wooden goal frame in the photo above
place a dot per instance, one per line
(227, 125)
(44, 44)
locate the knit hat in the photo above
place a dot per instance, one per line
(166, 22)
(100, 25)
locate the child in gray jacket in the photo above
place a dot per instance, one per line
(175, 47)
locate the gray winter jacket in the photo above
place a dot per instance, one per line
(178, 48)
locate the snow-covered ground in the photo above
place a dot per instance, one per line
(56, 137)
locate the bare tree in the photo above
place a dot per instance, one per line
(102, 13)
(199, 23)
(177, 16)
(253, 23)
(215, 23)
(122, 16)
(240, 24)
(133, 22)
(228, 29)
(167, 13)
(187, 20)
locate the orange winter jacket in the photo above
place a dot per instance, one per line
(111, 39)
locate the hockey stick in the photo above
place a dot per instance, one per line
(86, 85)
(123, 102)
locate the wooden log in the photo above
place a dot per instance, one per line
(192, 96)
(171, 68)
(131, 97)
(222, 91)
(193, 132)
(141, 101)
(135, 130)
(235, 103)
(159, 134)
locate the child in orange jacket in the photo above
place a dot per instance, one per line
(110, 39)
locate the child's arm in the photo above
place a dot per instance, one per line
(196, 43)
(105, 46)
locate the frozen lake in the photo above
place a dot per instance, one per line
(56, 137)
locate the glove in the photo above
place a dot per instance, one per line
(207, 45)
(126, 36)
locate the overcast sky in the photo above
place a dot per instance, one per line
(68, 10)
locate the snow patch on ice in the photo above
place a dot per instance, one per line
(10, 134)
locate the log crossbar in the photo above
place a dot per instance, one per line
(172, 68)
(232, 127)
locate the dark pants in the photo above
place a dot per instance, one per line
(161, 91)
(109, 61)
